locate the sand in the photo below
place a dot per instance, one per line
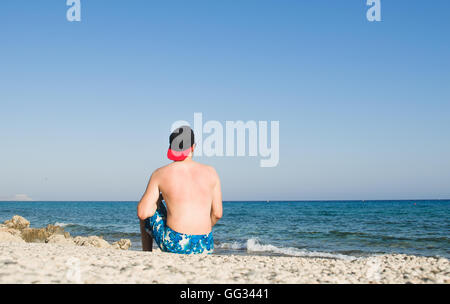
(22, 262)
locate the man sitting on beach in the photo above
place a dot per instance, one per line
(193, 200)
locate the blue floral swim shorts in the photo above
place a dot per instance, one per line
(171, 241)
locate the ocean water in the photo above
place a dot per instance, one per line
(342, 229)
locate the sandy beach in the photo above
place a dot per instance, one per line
(51, 255)
(58, 263)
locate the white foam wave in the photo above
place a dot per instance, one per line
(254, 245)
(234, 246)
(62, 224)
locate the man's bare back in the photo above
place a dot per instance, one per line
(192, 194)
(190, 190)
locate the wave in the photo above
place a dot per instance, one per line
(253, 245)
(60, 224)
(234, 246)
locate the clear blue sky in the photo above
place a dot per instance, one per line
(364, 108)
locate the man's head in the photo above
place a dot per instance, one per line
(181, 143)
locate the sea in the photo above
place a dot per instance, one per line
(329, 229)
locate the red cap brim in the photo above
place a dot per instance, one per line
(178, 155)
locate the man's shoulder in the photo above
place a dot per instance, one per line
(160, 170)
(207, 168)
(211, 171)
(174, 167)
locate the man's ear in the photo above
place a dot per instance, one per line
(193, 147)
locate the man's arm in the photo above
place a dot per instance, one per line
(149, 202)
(216, 207)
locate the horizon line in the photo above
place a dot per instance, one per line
(233, 201)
